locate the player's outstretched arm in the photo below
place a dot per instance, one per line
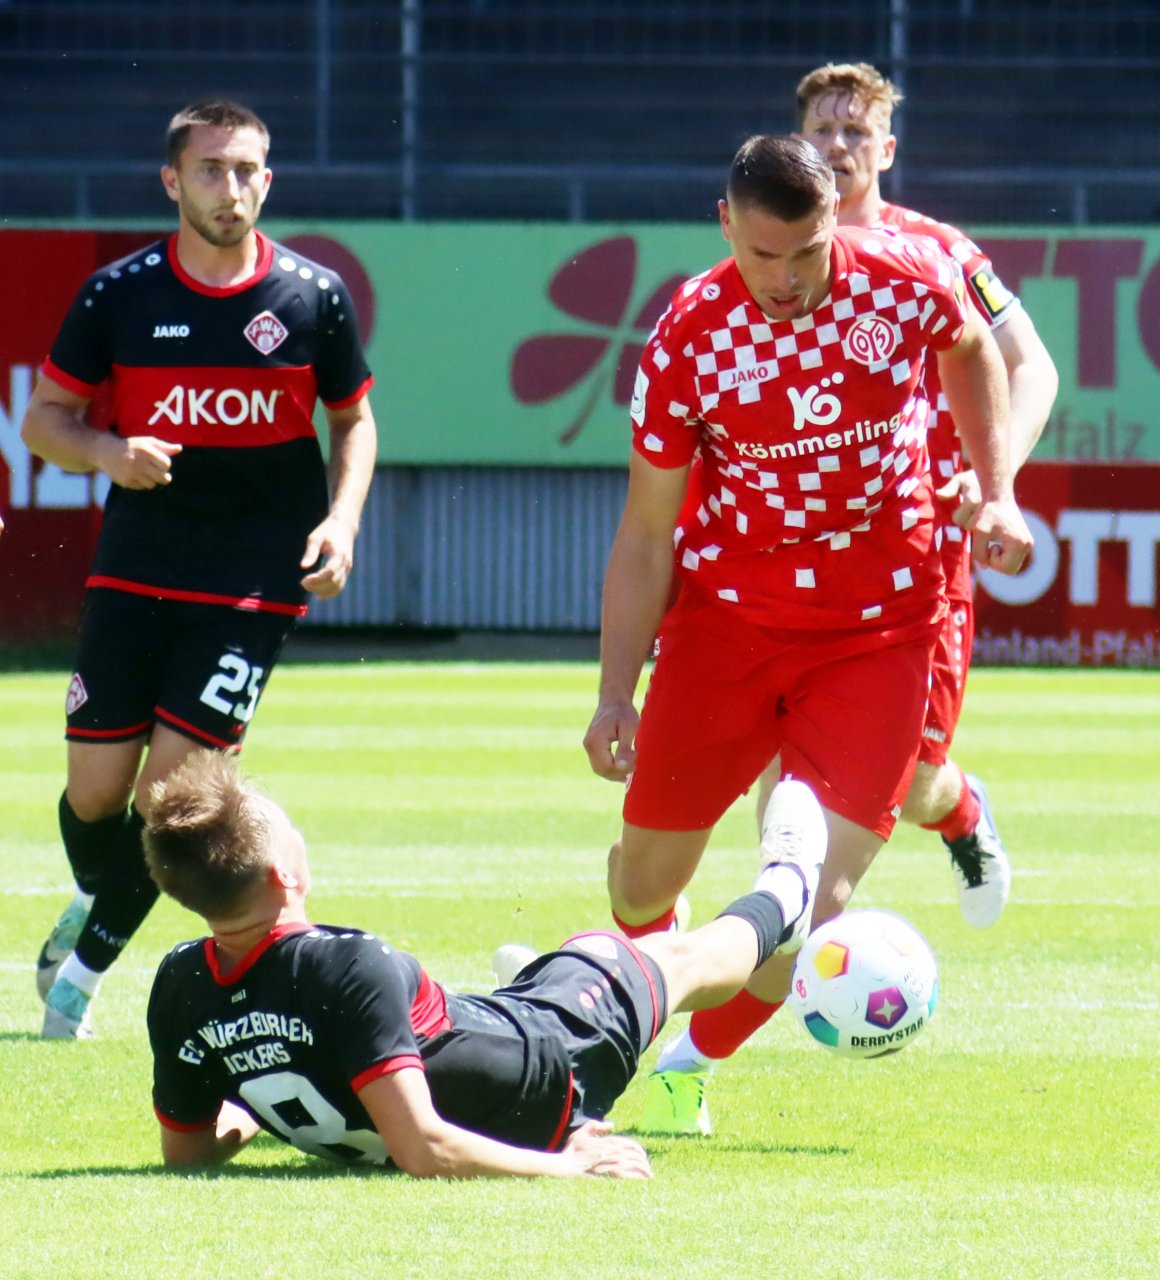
(637, 583)
(235, 1127)
(353, 449)
(425, 1145)
(54, 429)
(975, 382)
(1032, 383)
(1032, 380)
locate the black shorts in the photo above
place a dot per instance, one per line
(199, 669)
(605, 1037)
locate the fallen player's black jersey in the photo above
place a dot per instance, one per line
(232, 375)
(314, 1013)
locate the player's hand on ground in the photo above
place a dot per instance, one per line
(137, 462)
(597, 1152)
(963, 493)
(333, 542)
(609, 740)
(1000, 538)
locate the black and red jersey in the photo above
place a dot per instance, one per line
(232, 375)
(315, 1013)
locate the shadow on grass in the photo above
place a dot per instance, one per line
(265, 1172)
(16, 1037)
(661, 1144)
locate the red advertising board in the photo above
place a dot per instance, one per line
(1087, 598)
(1088, 595)
(51, 519)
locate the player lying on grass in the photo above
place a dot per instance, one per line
(335, 1042)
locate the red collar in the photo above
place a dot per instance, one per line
(261, 269)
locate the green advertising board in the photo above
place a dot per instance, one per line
(516, 344)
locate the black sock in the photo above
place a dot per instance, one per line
(763, 911)
(123, 899)
(91, 847)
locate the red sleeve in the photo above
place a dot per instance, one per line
(178, 1127)
(991, 297)
(66, 380)
(385, 1069)
(944, 313)
(665, 426)
(349, 400)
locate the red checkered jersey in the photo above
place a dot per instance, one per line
(812, 505)
(995, 302)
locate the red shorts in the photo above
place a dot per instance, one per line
(948, 682)
(726, 697)
(951, 659)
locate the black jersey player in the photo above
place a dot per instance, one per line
(214, 345)
(335, 1042)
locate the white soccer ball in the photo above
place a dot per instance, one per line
(864, 984)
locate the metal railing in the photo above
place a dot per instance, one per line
(1020, 110)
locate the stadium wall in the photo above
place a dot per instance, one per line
(503, 358)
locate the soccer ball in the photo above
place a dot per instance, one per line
(865, 984)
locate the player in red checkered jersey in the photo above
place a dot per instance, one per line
(808, 555)
(845, 112)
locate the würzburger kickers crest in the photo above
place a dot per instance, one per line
(265, 332)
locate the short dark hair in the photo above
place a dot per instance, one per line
(207, 838)
(781, 175)
(218, 113)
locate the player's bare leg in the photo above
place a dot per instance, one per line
(101, 777)
(944, 799)
(710, 965)
(647, 871)
(167, 750)
(765, 785)
(934, 792)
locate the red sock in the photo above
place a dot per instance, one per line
(963, 818)
(662, 924)
(719, 1032)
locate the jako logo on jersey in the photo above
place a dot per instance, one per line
(171, 331)
(188, 406)
(871, 340)
(815, 405)
(732, 378)
(265, 332)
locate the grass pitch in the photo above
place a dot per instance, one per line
(450, 808)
